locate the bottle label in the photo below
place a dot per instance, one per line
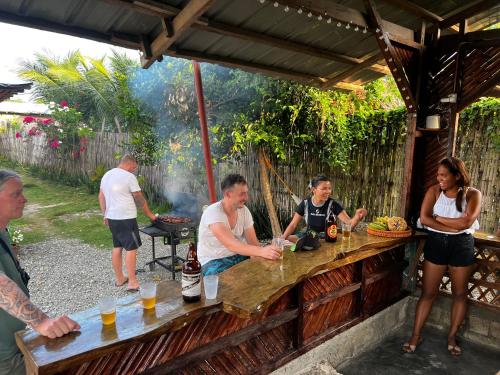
(191, 284)
(331, 231)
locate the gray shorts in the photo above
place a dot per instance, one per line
(13, 366)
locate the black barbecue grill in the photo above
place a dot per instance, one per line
(172, 234)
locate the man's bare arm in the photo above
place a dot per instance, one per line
(141, 203)
(16, 303)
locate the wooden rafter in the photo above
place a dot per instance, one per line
(391, 58)
(118, 39)
(259, 68)
(341, 13)
(151, 7)
(419, 11)
(466, 11)
(181, 22)
(351, 71)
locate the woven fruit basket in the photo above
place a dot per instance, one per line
(389, 233)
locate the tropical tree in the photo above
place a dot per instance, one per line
(97, 89)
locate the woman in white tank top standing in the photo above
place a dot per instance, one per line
(449, 211)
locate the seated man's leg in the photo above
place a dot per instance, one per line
(14, 365)
(216, 266)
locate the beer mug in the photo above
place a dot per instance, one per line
(148, 295)
(107, 308)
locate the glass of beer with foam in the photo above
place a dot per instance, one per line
(148, 295)
(107, 308)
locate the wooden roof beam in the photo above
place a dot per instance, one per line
(391, 58)
(344, 14)
(419, 11)
(259, 68)
(351, 71)
(118, 39)
(236, 32)
(245, 65)
(152, 7)
(466, 11)
(181, 22)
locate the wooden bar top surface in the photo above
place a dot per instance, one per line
(245, 290)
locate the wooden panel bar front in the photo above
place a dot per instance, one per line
(266, 314)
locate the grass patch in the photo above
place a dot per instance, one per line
(57, 210)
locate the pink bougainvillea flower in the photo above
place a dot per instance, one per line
(63, 103)
(54, 144)
(75, 154)
(47, 121)
(33, 131)
(18, 135)
(83, 149)
(28, 119)
(84, 141)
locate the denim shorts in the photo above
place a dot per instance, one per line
(456, 250)
(216, 266)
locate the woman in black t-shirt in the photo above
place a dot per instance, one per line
(316, 209)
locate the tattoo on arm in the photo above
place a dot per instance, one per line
(16, 303)
(139, 200)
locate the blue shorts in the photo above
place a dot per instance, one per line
(216, 266)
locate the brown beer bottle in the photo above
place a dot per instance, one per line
(191, 276)
(331, 229)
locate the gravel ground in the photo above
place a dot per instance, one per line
(69, 276)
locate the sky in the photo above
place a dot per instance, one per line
(19, 43)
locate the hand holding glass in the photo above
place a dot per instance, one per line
(280, 244)
(148, 295)
(107, 308)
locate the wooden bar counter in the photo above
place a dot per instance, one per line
(266, 314)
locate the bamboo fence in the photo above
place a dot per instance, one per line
(373, 181)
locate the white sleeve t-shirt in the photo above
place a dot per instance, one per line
(209, 247)
(118, 186)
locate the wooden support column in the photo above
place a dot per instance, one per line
(406, 191)
(457, 88)
(204, 132)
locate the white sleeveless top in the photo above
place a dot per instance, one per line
(446, 207)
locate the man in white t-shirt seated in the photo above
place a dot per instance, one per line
(119, 197)
(226, 235)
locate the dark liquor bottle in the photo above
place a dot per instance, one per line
(191, 276)
(331, 229)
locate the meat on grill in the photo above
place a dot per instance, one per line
(170, 219)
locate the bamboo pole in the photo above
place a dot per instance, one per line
(266, 193)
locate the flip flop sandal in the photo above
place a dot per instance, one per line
(408, 348)
(122, 284)
(455, 350)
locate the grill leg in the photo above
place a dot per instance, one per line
(173, 252)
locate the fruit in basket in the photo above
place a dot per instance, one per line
(397, 223)
(386, 223)
(377, 226)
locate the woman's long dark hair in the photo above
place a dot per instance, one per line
(457, 168)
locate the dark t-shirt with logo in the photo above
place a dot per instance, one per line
(317, 215)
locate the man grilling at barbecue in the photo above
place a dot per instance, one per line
(226, 232)
(119, 197)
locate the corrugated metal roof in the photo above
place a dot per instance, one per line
(130, 23)
(7, 90)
